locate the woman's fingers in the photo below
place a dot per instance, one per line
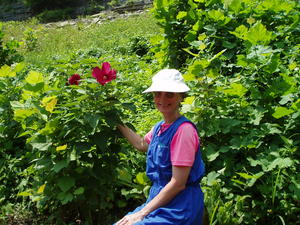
(124, 221)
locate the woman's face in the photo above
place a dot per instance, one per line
(167, 102)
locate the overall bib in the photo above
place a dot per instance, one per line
(187, 206)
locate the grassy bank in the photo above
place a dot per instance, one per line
(42, 42)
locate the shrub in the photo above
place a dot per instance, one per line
(8, 50)
(56, 15)
(40, 5)
(242, 60)
(139, 45)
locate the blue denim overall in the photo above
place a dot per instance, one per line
(187, 207)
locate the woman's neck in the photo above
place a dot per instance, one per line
(171, 118)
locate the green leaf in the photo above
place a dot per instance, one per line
(19, 67)
(189, 100)
(240, 32)
(246, 176)
(191, 53)
(24, 194)
(236, 89)
(65, 197)
(6, 71)
(239, 182)
(141, 178)
(41, 146)
(21, 114)
(212, 178)
(34, 78)
(181, 15)
(281, 112)
(217, 55)
(273, 65)
(234, 5)
(65, 183)
(258, 34)
(79, 191)
(281, 163)
(216, 15)
(92, 120)
(60, 165)
(211, 153)
(50, 128)
(125, 176)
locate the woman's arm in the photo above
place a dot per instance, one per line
(175, 185)
(136, 140)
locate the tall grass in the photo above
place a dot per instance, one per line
(53, 41)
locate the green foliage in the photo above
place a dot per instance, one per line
(40, 5)
(73, 142)
(31, 39)
(71, 150)
(140, 46)
(55, 15)
(242, 59)
(8, 50)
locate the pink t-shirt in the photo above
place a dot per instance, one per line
(183, 145)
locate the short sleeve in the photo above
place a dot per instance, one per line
(184, 145)
(148, 136)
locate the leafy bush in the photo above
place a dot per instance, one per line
(242, 59)
(73, 143)
(55, 15)
(40, 5)
(140, 46)
(8, 50)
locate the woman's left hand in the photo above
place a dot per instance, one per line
(131, 219)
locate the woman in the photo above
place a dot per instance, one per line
(174, 163)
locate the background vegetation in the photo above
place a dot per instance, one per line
(241, 58)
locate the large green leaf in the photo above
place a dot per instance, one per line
(281, 112)
(34, 78)
(60, 165)
(66, 183)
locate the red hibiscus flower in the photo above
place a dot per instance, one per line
(74, 79)
(104, 75)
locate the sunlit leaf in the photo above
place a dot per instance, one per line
(216, 15)
(188, 100)
(51, 105)
(281, 112)
(21, 114)
(34, 78)
(292, 66)
(50, 128)
(6, 71)
(217, 55)
(239, 182)
(19, 67)
(259, 34)
(41, 189)
(236, 89)
(141, 178)
(240, 32)
(24, 194)
(181, 15)
(61, 148)
(212, 178)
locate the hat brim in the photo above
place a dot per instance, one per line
(169, 87)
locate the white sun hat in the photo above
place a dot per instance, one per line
(168, 80)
